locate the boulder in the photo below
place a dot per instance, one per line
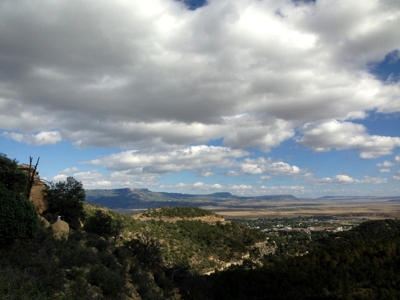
(60, 230)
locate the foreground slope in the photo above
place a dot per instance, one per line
(165, 253)
(146, 259)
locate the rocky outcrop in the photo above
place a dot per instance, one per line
(38, 192)
(60, 230)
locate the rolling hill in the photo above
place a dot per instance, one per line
(130, 198)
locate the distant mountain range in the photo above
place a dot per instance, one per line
(338, 198)
(129, 198)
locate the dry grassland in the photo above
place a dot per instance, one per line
(372, 209)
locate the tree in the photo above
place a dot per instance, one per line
(103, 224)
(66, 199)
(31, 175)
(11, 177)
(18, 216)
(146, 250)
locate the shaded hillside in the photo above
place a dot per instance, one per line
(149, 258)
(129, 198)
(144, 260)
(363, 263)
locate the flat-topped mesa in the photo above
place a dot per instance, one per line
(38, 194)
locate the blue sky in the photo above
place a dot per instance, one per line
(245, 96)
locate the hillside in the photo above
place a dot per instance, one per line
(129, 198)
(173, 253)
(362, 263)
(149, 258)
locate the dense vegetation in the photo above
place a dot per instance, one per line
(127, 257)
(66, 200)
(359, 264)
(177, 212)
(18, 217)
(115, 256)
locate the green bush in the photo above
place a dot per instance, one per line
(110, 281)
(18, 217)
(103, 224)
(11, 177)
(146, 250)
(66, 199)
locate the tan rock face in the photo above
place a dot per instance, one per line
(60, 230)
(44, 222)
(38, 192)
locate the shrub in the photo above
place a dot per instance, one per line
(18, 217)
(110, 281)
(146, 250)
(11, 177)
(66, 199)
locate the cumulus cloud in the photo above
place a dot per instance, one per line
(267, 166)
(373, 180)
(346, 135)
(94, 179)
(39, 139)
(69, 171)
(342, 179)
(139, 74)
(205, 173)
(386, 164)
(396, 176)
(190, 158)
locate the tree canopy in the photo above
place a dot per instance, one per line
(18, 216)
(66, 200)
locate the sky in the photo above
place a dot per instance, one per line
(252, 97)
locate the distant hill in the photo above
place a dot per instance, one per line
(339, 198)
(130, 198)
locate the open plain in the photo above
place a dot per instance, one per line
(371, 208)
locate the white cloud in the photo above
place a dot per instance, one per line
(386, 164)
(396, 176)
(60, 177)
(140, 74)
(267, 166)
(384, 170)
(39, 139)
(190, 158)
(345, 135)
(205, 173)
(69, 171)
(373, 180)
(397, 159)
(343, 179)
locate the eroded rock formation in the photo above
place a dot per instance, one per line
(38, 192)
